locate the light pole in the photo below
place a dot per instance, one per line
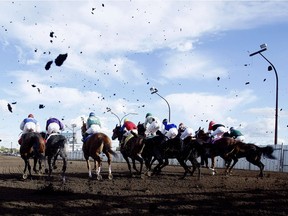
(120, 120)
(271, 67)
(73, 134)
(154, 90)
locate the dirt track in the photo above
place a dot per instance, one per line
(240, 194)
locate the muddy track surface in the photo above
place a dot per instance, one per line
(243, 193)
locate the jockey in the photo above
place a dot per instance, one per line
(236, 134)
(27, 125)
(169, 130)
(53, 125)
(217, 130)
(153, 123)
(93, 125)
(185, 131)
(30, 124)
(128, 128)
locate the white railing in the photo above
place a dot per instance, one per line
(280, 164)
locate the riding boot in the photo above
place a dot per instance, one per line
(84, 136)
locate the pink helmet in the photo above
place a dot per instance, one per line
(30, 116)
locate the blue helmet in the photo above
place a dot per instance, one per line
(91, 114)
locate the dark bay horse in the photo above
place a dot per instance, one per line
(252, 153)
(132, 148)
(32, 146)
(162, 150)
(92, 147)
(213, 148)
(55, 146)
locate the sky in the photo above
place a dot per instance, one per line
(196, 53)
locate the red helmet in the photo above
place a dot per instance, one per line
(211, 124)
(30, 116)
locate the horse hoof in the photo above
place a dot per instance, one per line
(46, 171)
(64, 180)
(110, 176)
(99, 177)
(25, 176)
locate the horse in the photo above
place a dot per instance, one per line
(214, 148)
(32, 146)
(93, 146)
(55, 146)
(252, 153)
(131, 148)
(162, 150)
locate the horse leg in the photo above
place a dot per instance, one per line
(256, 160)
(213, 165)
(235, 160)
(109, 156)
(27, 166)
(88, 166)
(128, 163)
(184, 165)
(64, 167)
(49, 166)
(195, 165)
(140, 159)
(54, 161)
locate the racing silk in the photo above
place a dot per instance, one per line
(129, 126)
(168, 126)
(92, 120)
(26, 120)
(149, 120)
(54, 120)
(215, 126)
(235, 133)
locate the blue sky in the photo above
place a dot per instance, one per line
(118, 50)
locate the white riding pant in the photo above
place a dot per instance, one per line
(93, 129)
(172, 133)
(31, 126)
(53, 128)
(218, 133)
(186, 133)
(153, 128)
(240, 138)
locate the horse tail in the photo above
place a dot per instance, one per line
(113, 153)
(268, 152)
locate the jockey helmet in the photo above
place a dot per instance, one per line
(148, 114)
(181, 125)
(126, 119)
(164, 120)
(232, 128)
(30, 116)
(91, 114)
(211, 123)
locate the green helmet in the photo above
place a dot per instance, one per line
(148, 114)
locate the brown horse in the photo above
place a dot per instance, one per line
(131, 148)
(32, 146)
(252, 153)
(92, 147)
(213, 148)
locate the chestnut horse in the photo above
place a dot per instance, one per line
(131, 148)
(55, 146)
(92, 147)
(32, 146)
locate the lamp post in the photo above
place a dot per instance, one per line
(271, 67)
(73, 134)
(120, 120)
(154, 90)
